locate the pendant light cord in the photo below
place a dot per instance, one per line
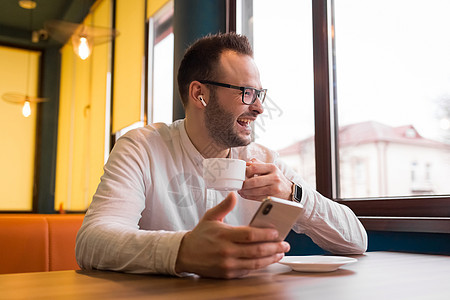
(27, 92)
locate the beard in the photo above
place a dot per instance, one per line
(221, 125)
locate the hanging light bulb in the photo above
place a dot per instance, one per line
(19, 98)
(26, 110)
(82, 46)
(27, 4)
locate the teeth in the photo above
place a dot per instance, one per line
(248, 121)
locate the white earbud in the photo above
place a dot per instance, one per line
(201, 100)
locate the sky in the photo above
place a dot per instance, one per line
(392, 62)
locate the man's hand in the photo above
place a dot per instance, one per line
(265, 179)
(215, 249)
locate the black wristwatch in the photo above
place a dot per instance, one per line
(297, 193)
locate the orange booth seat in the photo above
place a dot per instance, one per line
(38, 242)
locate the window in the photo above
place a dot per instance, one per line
(18, 76)
(368, 93)
(413, 171)
(282, 40)
(160, 55)
(427, 172)
(391, 79)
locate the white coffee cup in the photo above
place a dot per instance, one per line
(224, 174)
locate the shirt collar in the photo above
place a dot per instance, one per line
(188, 146)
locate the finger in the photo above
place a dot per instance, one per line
(256, 250)
(255, 194)
(242, 266)
(259, 168)
(261, 186)
(219, 212)
(258, 263)
(274, 184)
(247, 234)
(254, 159)
(259, 181)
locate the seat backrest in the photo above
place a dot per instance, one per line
(38, 242)
(62, 230)
(23, 244)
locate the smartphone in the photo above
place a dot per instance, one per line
(276, 213)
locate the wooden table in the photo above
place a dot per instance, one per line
(376, 275)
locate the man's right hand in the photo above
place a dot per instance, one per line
(215, 249)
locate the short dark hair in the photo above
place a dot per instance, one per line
(201, 58)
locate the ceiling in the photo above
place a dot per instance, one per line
(15, 21)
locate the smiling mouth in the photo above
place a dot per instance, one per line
(244, 122)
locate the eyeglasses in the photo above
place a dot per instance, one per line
(249, 94)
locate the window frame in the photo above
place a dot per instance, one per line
(407, 214)
(158, 27)
(426, 214)
(34, 207)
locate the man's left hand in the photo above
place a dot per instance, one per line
(265, 179)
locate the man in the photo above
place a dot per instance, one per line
(150, 212)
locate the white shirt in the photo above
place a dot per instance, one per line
(152, 192)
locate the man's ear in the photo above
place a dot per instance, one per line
(197, 93)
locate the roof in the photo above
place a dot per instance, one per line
(372, 132)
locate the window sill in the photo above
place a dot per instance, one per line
(409, 214)
(406, 224)
(400, 207)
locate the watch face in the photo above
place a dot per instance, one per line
(298, 193)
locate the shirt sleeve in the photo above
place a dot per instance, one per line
(332, 226)
(110, 238)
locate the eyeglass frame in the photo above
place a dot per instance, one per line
(241, 88)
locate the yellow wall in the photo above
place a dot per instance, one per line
(81, 128)
(82, 108)
(128, 64)
(154, 5)
(18, 133)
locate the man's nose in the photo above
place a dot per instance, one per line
(257, 106)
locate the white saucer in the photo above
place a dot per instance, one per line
(316, 263)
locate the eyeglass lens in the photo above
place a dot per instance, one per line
(250, 95)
